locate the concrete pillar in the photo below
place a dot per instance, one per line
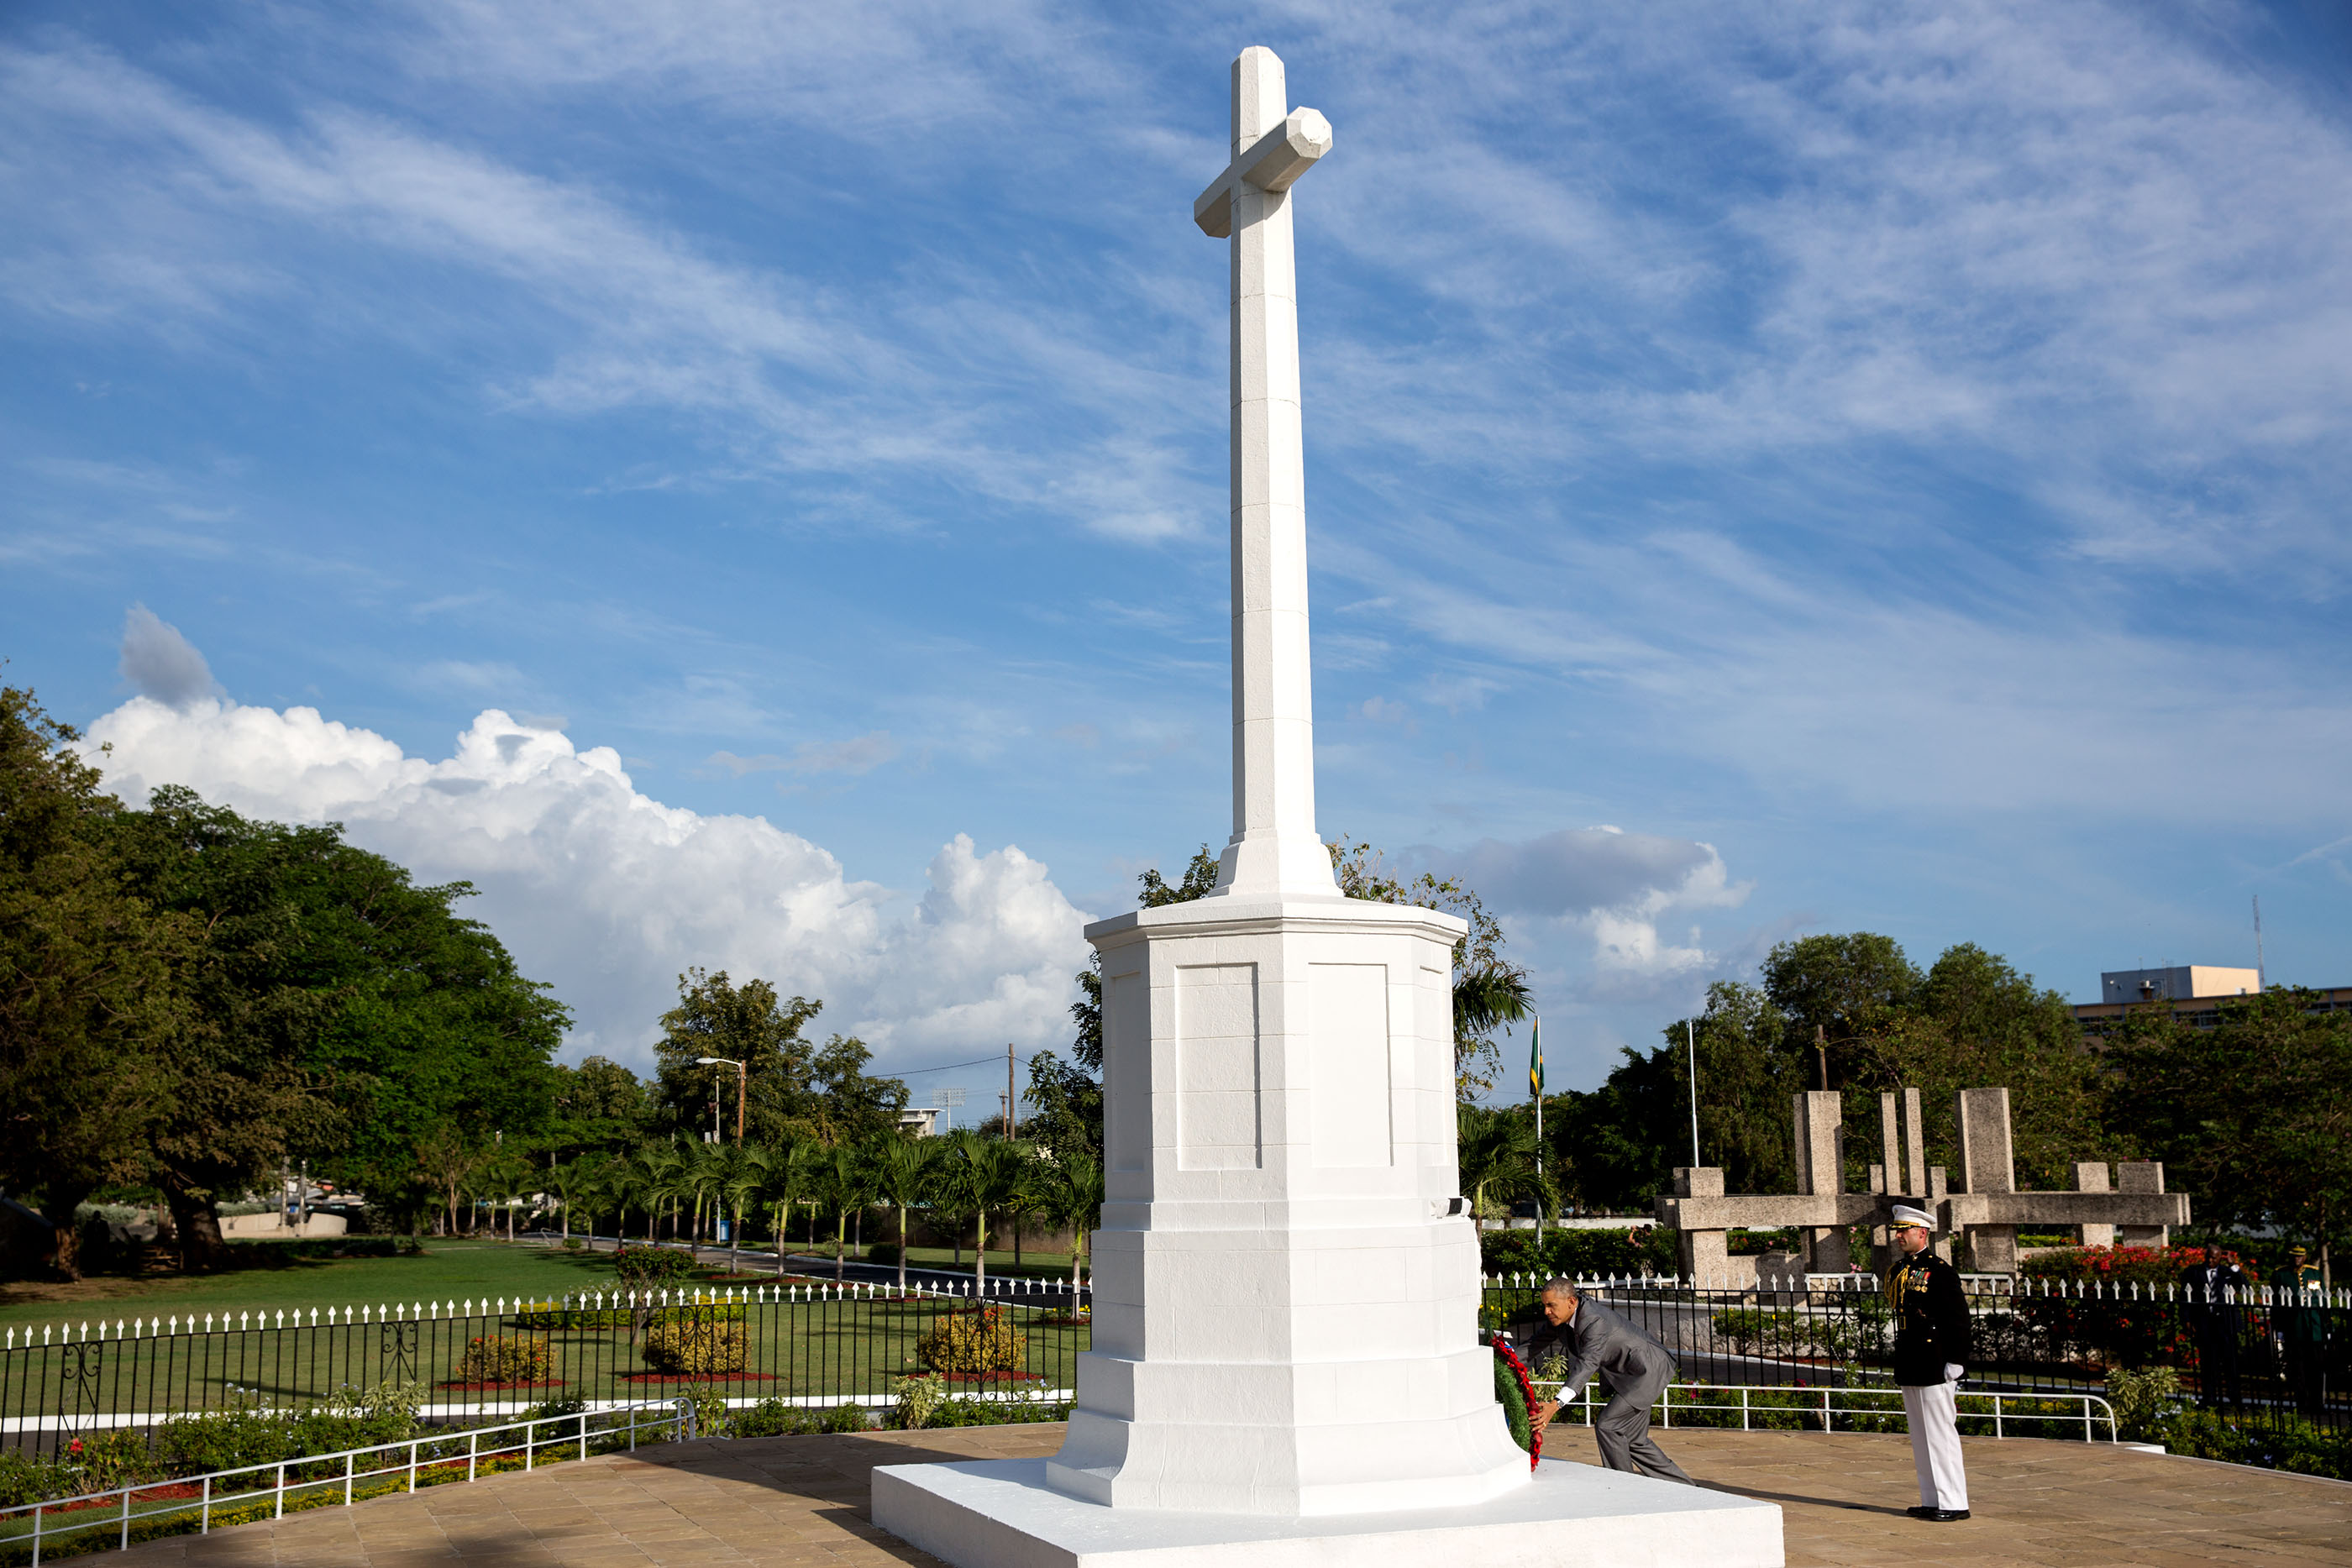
(2141, 1175)
(1821, 1168)
(1987, 1166)
(1705, 1255)
(2093, 1177)
(1938, 1191)
(1914, 1144)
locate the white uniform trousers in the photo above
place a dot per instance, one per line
(1934, 1415)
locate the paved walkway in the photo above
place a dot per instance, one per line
(802, 1501)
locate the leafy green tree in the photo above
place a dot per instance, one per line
(844, 1185)
(1070, 1192)
(334, 1009)
(793, 1083)
(1849, 988)
(599, 1105)
(2252, 1117)
(89, 1013)
(1066, 1102)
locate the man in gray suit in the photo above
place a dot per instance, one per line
(1635, 1368)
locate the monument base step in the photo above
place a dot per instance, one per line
(1000, 1513)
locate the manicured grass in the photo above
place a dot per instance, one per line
(448, 1271)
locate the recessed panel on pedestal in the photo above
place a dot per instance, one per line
(1217, 1119)
(1127, 1070)
(1347, 1056)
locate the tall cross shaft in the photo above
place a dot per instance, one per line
(1275, 849)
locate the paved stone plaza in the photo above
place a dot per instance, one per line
(802, 1501)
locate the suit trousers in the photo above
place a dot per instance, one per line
(1934, 1415)
(1623, 1431)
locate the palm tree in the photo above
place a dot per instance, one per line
(842, 1183)
(570, 1183)
(1497, 1151)
(773, 1174)
(1070, 1192)
(899, 1165)
(656, 1174)
(988, 1174)
(1489, 996)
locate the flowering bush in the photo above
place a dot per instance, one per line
(506, 1358)
(2128, 1265)
(970, 1342)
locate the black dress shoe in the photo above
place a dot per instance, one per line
(1922, 1512)
(1946, 1515)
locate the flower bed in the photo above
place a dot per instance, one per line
(660, 1377)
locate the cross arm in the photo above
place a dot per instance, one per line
(1272, 162)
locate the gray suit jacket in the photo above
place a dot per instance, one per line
(1598, 1340)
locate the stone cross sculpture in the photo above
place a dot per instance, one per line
(1285, 1289)
(1285, 1370)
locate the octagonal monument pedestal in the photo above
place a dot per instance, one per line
(1286, 1365)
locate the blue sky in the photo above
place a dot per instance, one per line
(745, 484)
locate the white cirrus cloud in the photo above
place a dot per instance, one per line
(608, 894)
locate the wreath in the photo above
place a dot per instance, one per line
(1517, 1396)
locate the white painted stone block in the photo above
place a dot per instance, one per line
(999, 1513)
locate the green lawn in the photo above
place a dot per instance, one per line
(459, 1269)
(449, 1271)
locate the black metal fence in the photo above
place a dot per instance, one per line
(2257, 1356)
(803, 1344)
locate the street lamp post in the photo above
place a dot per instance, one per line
(742, 1080)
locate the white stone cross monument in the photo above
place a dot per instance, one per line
(1285, 1320)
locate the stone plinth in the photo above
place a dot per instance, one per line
(1285, 1300)
(1001, 1513)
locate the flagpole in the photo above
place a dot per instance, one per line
(1690, 1038)
(1535, 1083)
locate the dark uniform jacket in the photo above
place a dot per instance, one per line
(1931, 1319)
(1595, 1341)
(2206, 1283)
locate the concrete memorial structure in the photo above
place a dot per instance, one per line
(1285, 1364)
(1984, 1209)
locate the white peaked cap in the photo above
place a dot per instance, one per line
(1907, 1215)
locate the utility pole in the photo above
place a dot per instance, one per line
(1008, 1092)
(1821, 1053)
(2262, 980)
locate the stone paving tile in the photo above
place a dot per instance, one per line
(799, 1502)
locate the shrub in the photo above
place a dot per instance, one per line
(1579, 1253)
(2143, 1402)
(970, 1340)
(652, 1268)
(919, 1398)
(775, 1418)
(882, 1252)
(507, 1358)
(573, 1244)
(698, 1344)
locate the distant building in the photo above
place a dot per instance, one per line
(924, 1121)
(2194, 993)
(2183, 983)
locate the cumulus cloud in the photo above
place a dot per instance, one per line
(1615, 887)
(160, 664)
(608, 894)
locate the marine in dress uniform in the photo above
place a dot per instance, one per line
(1931, 1352)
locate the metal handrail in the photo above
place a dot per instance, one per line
(677, 1417)
(1586, 1404)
